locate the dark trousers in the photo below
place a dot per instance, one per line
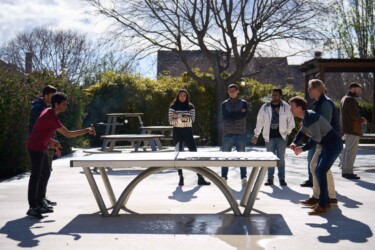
(330, 152)
(40, 173)
(181, 136)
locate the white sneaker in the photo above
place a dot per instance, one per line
(225, 180)
(244, 181)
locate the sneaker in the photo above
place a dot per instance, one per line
(311, 202)
(244, 182)
(44, 210)
(306, 184)
(351, 176)
(317, 210)
(33, 212)
(49, 202)
(269, 182)
(224, 179)
(332, 202)
(283, 183)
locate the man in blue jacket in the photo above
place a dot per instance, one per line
(320, 132)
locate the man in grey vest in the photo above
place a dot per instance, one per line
(233, 111)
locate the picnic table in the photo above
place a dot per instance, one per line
(367, 136)
(195, 161)
(135, 139)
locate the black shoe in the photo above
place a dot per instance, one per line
(44, 210)
(49, 202)
(283, 183)
(34, 212)
(203, 182)
(351, 176)
(181, 182)
(306, 184)
(269, 182)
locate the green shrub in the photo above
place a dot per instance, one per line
(132, 94)
(16, 94)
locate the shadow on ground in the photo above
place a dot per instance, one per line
(286, 193)
(339, 228)
(20, 230)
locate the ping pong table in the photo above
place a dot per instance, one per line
(198, 162)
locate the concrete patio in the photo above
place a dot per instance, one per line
(171, 217)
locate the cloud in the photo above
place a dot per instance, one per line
(21, 16)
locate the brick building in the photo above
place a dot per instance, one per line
(274, 70)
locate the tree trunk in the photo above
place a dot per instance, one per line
(220, 97)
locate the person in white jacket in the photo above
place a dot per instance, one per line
(277, 122)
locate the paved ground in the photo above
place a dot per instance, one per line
(187, 218)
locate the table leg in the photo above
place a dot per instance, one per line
(124, 197)
(108, 186)
(218, 181)
(249, 186)
(158, 143)
(107, 130)
(152, 144)
(95, 191)
(254, 192)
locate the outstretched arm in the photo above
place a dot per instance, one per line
(75, 133)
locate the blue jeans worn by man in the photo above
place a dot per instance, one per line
(327, 157)
(278, 147)
(238, 141)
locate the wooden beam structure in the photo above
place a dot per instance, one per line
(322, 66)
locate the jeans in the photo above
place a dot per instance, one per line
(239, 141)
(329, 154)
(310, 155)
(278, 147)
(40, 173)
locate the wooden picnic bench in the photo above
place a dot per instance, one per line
(165, 130)
(367, 136)
(135, 139)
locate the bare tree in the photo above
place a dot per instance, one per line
(54, 50)
(220, 29)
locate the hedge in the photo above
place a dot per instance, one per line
(16, 94)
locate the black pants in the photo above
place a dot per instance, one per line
(181, 136)
(40, 173)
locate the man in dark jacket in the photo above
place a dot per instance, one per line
(320, 132)
(40, 104)
(37, 107)
(351, 124)
(233, 111)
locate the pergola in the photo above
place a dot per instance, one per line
(313, 67)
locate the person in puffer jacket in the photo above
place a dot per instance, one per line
(181, 116)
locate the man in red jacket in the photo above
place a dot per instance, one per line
(37, 145)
